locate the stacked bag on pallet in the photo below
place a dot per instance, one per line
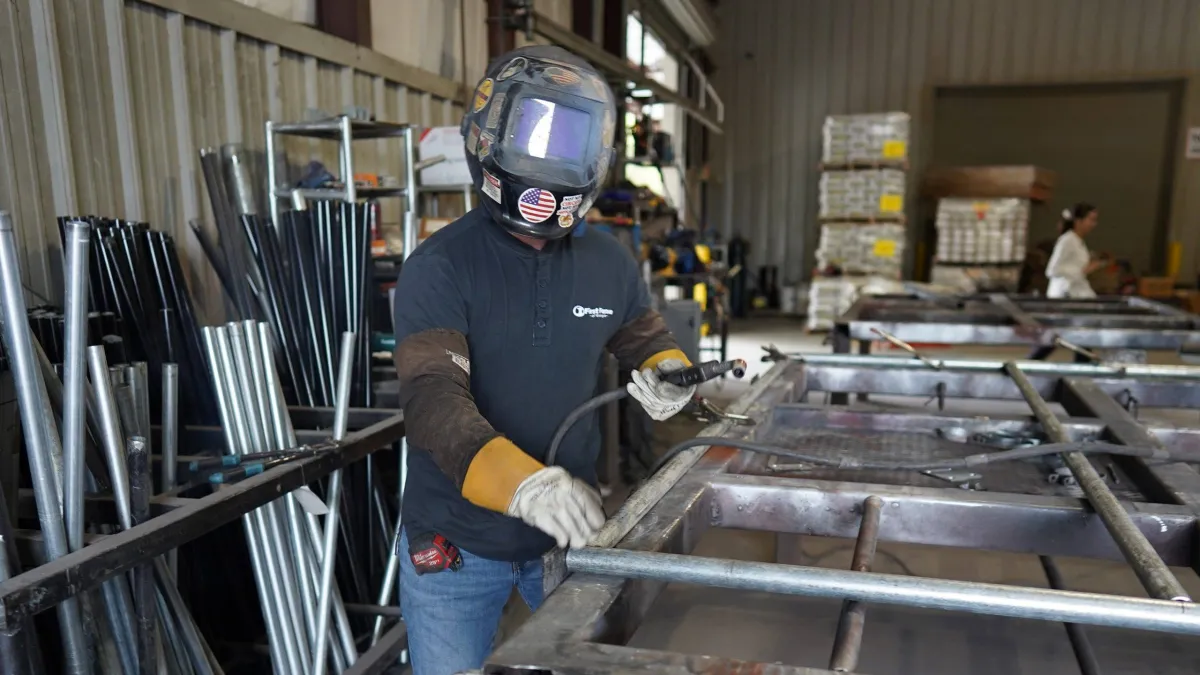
(869, 193)
(853, 248)
(880, 137)
(982, 231)
(862, 179)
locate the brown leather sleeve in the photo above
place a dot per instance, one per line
(435, 393)
(637, 341)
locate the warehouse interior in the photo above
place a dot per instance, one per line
(931, 266)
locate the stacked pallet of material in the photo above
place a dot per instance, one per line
(981, 242)
(982, 231)
(855, 248)
(829, 298)
(861, 205)
(882, 137)
(863, 194)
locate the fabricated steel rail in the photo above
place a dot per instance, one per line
(184, 520)
(595, 608)
(1124, 322)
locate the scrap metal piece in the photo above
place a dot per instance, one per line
(906, 347)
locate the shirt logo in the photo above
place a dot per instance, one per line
(595, 312)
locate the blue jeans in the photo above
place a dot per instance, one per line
(452, 617)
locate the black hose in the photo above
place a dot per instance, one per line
(970, 461)
(569, 421)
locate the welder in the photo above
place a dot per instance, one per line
(502, 321)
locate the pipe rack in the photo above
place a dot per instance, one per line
(593, 609)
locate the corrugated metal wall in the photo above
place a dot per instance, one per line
(143, 89)
(786, 64)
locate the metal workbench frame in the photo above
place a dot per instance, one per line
(179, 520)
(602, 593)
(1124, 322)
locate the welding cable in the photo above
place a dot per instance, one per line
(573, 417)
(967, 462)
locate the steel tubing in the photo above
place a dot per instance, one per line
(35, 418)
(190, 636)
(217, 348)
(112, 437)
(1080, 644)
(1156, 578)
(848, 640)
(170, 441)
(286, 437)
(146, 614)
(245, 346)
(329, 545)
(75, 309)
(889, 589)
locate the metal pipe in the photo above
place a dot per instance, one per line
(286, 437)
(245, 345)
(1084, 656)
(890, 589)
(191, 638)
(1129, 371)
(170, 441)
(390, 572)
(137, 456)
(1150, 569)
(329, 551)
(848, 641)
(112, 438)
(35, 417)
(75, 307)
(230, 407)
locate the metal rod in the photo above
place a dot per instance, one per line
(32, 400)
(1156, 578)
(75, 308)
(848, 641)
(329, 546)
(170, 441)
(193, 641)
(216, 344)
(144, 600)
(307, 528)
(907, 347)
(112, 437)
(390, 572)
(890, 589)
(1075, 632)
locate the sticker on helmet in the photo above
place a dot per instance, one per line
(515, 66)
(536, 205)
(472, 138)
(491, 187)
(569, 203)
(606, 130)
(565, 219)
(482, 95)
(493, 117)
(562, 76)
(485, 144)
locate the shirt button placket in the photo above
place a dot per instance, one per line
(541, 311)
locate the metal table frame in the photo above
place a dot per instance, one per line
(598, 596)
(1125, 322)
(180, 520)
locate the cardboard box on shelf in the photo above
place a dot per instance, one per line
(1022, 182)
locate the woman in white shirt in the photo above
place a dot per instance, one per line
(1071, 263)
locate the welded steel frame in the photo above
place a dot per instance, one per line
(587, 618)
(1108, 322)
(178, 520)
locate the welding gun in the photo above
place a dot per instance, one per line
(703, 372)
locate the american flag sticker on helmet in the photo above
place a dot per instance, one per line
(562, 75)
(491, 187)
(536, 204)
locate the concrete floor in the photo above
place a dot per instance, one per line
(898, 641)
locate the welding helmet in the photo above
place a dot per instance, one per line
(539, 140)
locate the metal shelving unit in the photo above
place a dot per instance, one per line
(345, 130)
